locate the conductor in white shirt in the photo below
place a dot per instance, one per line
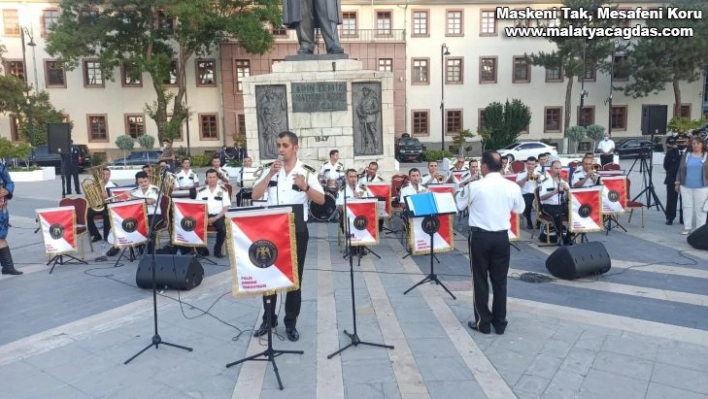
(490, 201)
(607, 149)
(289, 182)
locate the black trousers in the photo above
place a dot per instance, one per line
(91, 224)
(557, 212)
(489, 261)
(69, 172)
(528, 199)
(242, 195)
(293, 299)
(672, 199)
(605, 159)
(220, 227)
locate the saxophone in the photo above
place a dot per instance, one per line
(93, 189)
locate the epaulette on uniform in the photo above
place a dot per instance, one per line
(309, 168)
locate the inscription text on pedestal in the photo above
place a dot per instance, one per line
(319, 96)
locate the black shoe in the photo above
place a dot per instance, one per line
(669, 222)
(292, 333)
(263, 329)
(96, 238)
(483, 330)
(12, 272)
(499, 328)
(8, 266)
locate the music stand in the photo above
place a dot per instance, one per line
(431, 225)
(59, 260)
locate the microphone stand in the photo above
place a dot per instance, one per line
(354, 337)
(156, 339)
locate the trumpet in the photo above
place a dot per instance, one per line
(596, 167)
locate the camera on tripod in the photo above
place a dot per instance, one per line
(645, 150)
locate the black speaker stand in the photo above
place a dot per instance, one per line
(59, 260)
(648, 169)
(270, 354)
(201, 258)
(609, 221)
(156, 339)
(132, 256)
(432, 277)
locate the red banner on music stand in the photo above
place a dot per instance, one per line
(263, 251)
(442, 188)
(58, 229)
(189, 223)
(515, 230)
(511, 177)
(614, 194)
(121, 193)
(129, 223)
(585, 210)
(382, 190)
(457, 175)
(363, 221)
(564, 173)
(420, 240)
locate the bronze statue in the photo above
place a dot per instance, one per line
(306, 15)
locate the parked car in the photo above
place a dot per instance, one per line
(631, 148)
(409, 149)
(137, 158)
(525, 149)
(42, 157)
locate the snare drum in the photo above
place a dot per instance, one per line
(324, 212)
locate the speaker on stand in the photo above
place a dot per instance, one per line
(59, 138)
(577, 261)
(180, 272)
(699, 238)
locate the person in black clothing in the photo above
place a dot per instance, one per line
(70, 169)
(672, 160)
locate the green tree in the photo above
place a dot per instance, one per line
(503, 123)
(125, 143)
(655, 62)
(147, 35)
(576, 134)
(146, 141)
(458, 142)
(572, 51)
(595, 133)
(684, 125)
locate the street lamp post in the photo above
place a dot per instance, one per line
(32, 44)
(444, 50)
(583, 92)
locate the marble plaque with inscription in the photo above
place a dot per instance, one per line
(272, 111)
(368, 126)
(319, 96)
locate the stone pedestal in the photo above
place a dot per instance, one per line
(329, 104)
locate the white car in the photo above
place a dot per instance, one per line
(525, 149)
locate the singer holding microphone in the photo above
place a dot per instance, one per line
(289, 181)
(553, 193)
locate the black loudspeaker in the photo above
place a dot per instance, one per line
(699, 238)
(59, 138)
(654, 119)
(173, 271)
(571, 262)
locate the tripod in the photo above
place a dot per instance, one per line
(131, 255)
(649, 190)
(270, 353)
(431, 224)
(156, 339)
(354, 336)
(59, 260)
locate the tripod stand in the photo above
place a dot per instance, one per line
(270, 353)
(649, 190)
(59, 260)
(156, 339)
(431, 224)
(354, 336)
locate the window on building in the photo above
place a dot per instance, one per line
(206, 72)
(420, 23)
(554, 75)
(93, 76)
(15, 68)
(453, 70)
(135, 125)
(97, 127)
(488, 70)
(453, 121)
(553, 119)
(383, 23)
(131, 76)
(208, 127)
(488, 26)
(522, 70)
(14, 128)
(619, 117)
(243, 69)
(49, 19)
(172, 79)
(453, 25)
(241, 121)
(590, 70)
(619, 70)
(11, 22)
(421, 123)
(349, 25)
(55, 74)
(586, 117)
(480, 119)
(420, 71)
(386, 64)
(684, 111)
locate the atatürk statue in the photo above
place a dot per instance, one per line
(306, 15)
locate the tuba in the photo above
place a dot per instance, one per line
(93, 189)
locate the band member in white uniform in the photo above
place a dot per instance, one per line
(187, 179)
(90, 223)
(371, 175)
(472, 173)
(433, 176)
(332, 169)
(528, 181)
(289, 181)
(218, 202)
(243, 193)
(553, 193)
(587, 177)
(222, 175)
(350, 190)
(148, 192)
(414, 186)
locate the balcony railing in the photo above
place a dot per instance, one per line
(360, 35)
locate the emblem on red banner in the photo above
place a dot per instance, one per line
(190, 222)
(263, 251)
(420, 237)
(128, 223)
(585, 210)
(614, 194)
(363, 221)
(58, 229)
